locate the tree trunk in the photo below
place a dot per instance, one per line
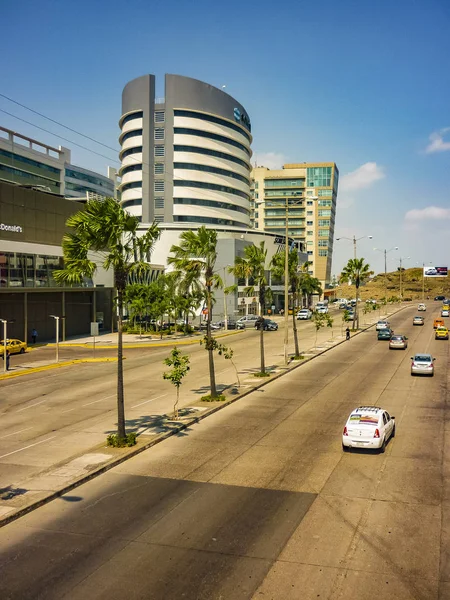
(294, 325)
(356, 311)
(175, 406)
(120, 393)
(212, 374)
(261, 347)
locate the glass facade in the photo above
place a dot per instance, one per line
(209, 186)
(19, 176)
(31, 270)
(136, 115)
(212, 204)
(194, 115)
(105, 183)
(207, 169)
(327, 193)
(319, 176)
(207, 221)
(216, 153)
(284, 183)
(28, 161)
(211, 136)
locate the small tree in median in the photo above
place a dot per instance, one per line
(180, 367)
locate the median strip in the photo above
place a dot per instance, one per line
(67, 363)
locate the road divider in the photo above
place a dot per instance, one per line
(67, 363)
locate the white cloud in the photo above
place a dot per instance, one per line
(437, 142)
(363, 177)
(430, 213)
(271, 160)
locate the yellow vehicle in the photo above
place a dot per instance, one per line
(445, 307)
(13, 346)
(438, 323)
(441, 333)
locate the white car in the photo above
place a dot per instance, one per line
(444, 313)
(368, 427)
(431, 271)
(421, 307)
(422, 364)
(323, 310)
(304, 313)
(383, 324)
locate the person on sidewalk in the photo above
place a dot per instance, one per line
(34, 335)
(347, 334)
(8, 354)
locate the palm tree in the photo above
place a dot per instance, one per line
(107, 233)
(196, 257)
(278, 266)
(308, 284)
(252, 268)
(357, 272)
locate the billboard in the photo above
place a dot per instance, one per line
(435, 271)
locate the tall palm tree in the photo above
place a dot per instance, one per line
(105, 232)
(278, 266)
(196, 257)
(357, 272)
(252, 268)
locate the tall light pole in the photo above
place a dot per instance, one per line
(286, 274)
(385, 267)
(57, 336)
(402, 259)
(423, 278)
(4, 321)
(225, 313)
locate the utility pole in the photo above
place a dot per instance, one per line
(286, 284)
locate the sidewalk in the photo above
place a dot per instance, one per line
(67, 471)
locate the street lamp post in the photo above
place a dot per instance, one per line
(402, 259)
(57, 336)
(385, 267)
(423, 279)
(225, 312)
(4, 321)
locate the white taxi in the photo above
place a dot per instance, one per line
(368, 427)
(422, 307)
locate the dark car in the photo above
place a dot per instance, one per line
(384, 334)
(266, 324)
(439, 297)
(231, 324)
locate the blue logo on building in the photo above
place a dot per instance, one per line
(242, 118)
(237, 114)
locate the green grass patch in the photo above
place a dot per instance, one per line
(209, 398)
(298, 357)
(119, 442)
(261, 374)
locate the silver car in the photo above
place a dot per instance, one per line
(398, 342)
(382, 324)
(422, 364)
(247, 321)
(418, 321)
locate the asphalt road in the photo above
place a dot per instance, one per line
(259, 501)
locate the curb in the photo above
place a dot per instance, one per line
(58, 365)
(135, 451)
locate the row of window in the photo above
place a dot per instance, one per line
(211, 136)
(325, 202)
(106, 183)
(323, 252)
(322, 193)
(208, 169)
(34, 179)
(76, 187)
(30, 270)
(129, 151)
(284, 183)
(211, 119)
(324, 212)
(215, 153)
(131, 186)
(319, 176)
(282, 212)
(208, 221)
(136, 115)
(135, 202)
(324, 223)
(29, 161)
(137, 167)
(282, 193)
(209, 186)
(130, 134)
(212, 204)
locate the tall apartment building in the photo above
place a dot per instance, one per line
(309, 190)
(185, 157)
(32, 163)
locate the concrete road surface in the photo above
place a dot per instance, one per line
(259, 501)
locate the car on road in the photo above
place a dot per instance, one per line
(418, 320)
(368, 427)
(350, 314)
(304, 313)
(421, 307)
(439, 297)
(441, 333)
(322, 310)
(382, 324)
(438, 323)
(231, 324)
(398, 342)
(266, 324)
(422, 364)
(444, 313)
(13, 346)
(343, 305)
(247, 321)
(204, 326)
(384, 334)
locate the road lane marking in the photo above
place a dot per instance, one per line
(66, 411)
(147, 401)
(17, 432)
(27, 407)
(95, 401)
(26, 447)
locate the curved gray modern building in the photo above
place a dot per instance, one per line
(184, 158)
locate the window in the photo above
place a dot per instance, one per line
(159, 151)
(135, 202)
(324, 202)
(100, 181)
(325, 193)
(159, 185)
(325, 213)
(324, 232)
(309, 243)
(136, 115)
(159, 202)
(323, 252)
(296, 222)
(159, 116)
(309, 223)
(207, 220)
(310, 193)
(212, 203)
(135, 150)
(159, 133)
(206, 152)
(319, 176)
(257, 195)
(284, 182)
(309, 213)
(309, 203)
(256, 214)
(310, 252)
(131, 168)
(159, 218)
(324, 223)
(211, 136)
(159, 168)
(275, 213)
(209, 118)
(283, 193)
(207, 169)
(209, 186)
(256, 185)
(272, 223)
(323, 243)
(310, 233)
(256, 224)
(29, 161)
(132, 185)
(34, 179)
(131, 134)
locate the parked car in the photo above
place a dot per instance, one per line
(418, 321)
(304, 313)
(384, 334)
(323, 310)
(231, 324)
(247, 321)
(421, 307)
(422, 364)
(382, 324)
(441, 333)
(350, 314)
(13, 346)
(203, 326)
(343, 305)
(266, 324)
(438, 323)
(399, 342)
(368, 427)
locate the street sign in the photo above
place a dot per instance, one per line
(94, 329)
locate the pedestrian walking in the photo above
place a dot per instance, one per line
(347, 334)
(7, 358)
(34, 335)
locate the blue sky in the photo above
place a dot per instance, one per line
(364, 84)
